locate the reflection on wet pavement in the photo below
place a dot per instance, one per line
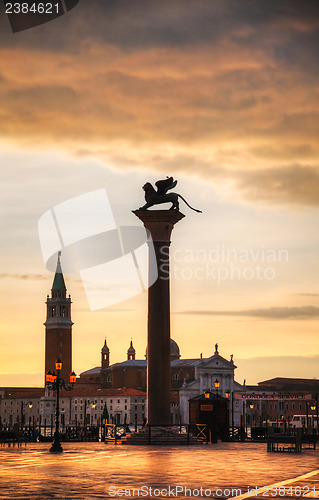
(95, 470)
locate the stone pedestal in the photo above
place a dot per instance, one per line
(160, 224)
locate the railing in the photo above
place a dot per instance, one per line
(10, 438)
(44, 433)
(157, 434)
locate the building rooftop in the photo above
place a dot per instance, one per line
(289, 384)
(21, 392)
(87, 391)
(131, 362)
(142, 363)
(38, 392)
(92, 371)
(176, 363)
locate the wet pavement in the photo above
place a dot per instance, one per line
(95, 470)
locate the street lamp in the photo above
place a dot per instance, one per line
(55, 382)
(251, 416)
(207, 394)
(313, 407)
(93, 405)
(228, 393)
(30, 404)
(216, 385)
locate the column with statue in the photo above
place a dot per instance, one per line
(160, 224)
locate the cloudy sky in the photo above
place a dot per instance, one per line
(223, 96)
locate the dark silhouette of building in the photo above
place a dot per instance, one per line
(132, 372)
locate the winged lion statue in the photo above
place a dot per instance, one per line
(161, 195)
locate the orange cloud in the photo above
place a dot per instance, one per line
(233, 105)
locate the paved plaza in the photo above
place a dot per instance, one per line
(94, 471)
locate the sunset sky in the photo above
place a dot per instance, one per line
(222, 95)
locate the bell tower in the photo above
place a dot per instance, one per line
(105, 356)
(58, 326)
(131, 351)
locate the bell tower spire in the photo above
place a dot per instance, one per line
(105, 356)
(58, 326)
(58, 286)
(131, 351)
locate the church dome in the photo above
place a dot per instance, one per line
(175, 354)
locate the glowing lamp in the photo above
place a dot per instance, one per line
(48, 377)
(216, 384)
(58, 365)
(313, 407)
(227, 394)
(72, 378)
(251, 405)
(30, 405)
(207, 394)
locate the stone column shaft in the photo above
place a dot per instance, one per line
(160, 224)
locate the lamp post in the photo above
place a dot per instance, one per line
(93, 406)
(227, 396)
(216, 385)
(243, 422)
(217, 411)
(251, 415)
(313, 408)
(30, 405)
(55, 382)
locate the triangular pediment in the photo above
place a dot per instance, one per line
(217, 361)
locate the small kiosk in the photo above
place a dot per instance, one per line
(213, 411)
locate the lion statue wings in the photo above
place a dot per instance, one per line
(153, 197)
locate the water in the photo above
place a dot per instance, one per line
(94, 470)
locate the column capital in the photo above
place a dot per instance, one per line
(159, 222)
